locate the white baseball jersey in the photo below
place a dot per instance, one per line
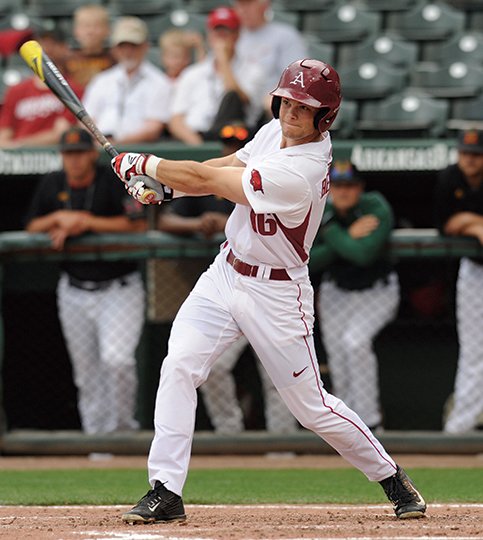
(287, 189)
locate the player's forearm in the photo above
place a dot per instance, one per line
(175, 224)
(181, 131)
(41, 224)
(102, 224)
(151, 131)
(188, 177)
(361, 251)
(460, 222)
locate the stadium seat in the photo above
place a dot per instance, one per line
(22, 20)
(371, 80)
(466, 114)
(466, 5)
(204, 6)
(476, 21)
(321, 51)
(154, 55)
(55, 8)
(178, 18)
(343, 23)
(466, 46)
(6, 7)
(12, 76)
(392, 49)
(457, 79)
(390, 5)
(288, 17)
(408, 114)
(345, 122)
(142, 7)
(427, 22)
(305, 5)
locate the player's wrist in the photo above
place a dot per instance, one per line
(151, 165)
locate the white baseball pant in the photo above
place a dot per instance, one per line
(102, 330)
(349, 323)
(219, 396)
(468, 389)
(277, 319)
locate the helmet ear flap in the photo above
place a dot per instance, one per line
(319, 117)
(275, 106)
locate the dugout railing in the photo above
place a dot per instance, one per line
(417, 352)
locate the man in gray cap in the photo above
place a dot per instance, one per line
(129, 101)
(459, 212)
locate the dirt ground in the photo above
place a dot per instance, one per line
(270, 522)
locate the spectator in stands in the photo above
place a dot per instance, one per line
(459, 212)
(128, 101)
(221, 89)
(207, 216)
(91, 55)
(31, 115)
(359, 292)
(271, 44)
(101, 303)
(179, 49)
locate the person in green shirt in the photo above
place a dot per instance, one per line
(359, 290)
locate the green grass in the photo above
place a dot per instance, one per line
(231, 486)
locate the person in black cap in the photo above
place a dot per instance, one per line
(459, 212)
(101, 303)
(359, 292)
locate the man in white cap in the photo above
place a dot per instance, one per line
(126, 101)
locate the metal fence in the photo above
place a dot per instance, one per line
(417, 351)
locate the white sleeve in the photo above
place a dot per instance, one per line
(158, 103)
(94, 96)
(244, 153)
(292, 48)
(276, 188)
(181, 99)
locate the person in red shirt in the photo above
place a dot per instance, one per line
(31, 114)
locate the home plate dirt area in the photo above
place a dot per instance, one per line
(255, 522)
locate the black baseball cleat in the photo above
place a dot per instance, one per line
(406, 499)
(159, 504)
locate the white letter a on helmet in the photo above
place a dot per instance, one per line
(299, 79)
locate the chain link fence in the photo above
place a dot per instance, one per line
(417, 351)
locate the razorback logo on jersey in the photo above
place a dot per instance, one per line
(299, 79)
(256, 181)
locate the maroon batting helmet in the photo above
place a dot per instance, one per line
(313, 83)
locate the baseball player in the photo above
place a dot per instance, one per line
(258, 286)
(459, 212)
(101, 303)
(359, 292)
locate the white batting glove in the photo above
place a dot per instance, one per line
(148, 191)
(129, 164)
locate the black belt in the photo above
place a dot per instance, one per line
(94, 285)
(277, 274)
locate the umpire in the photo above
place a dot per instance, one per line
(101, 304)
(359, 292)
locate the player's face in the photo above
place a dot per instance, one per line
(345, 195)
(79, 166)
(297, 121)
(471, 164)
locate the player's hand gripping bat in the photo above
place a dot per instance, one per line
(47, 71)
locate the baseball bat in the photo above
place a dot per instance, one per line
(48, 72)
